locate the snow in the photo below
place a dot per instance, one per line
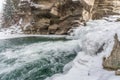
(1, 10)
(16, 32)
(14, 29)
(1, 5)
(88, 63)
(26, 0)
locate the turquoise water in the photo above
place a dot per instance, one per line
(34, 58)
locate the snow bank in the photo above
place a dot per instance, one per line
(16, 32)
(88, 63)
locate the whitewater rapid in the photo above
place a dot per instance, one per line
(88, 63)
(75, 57)
(34, 58)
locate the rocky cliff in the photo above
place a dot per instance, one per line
(105, 7)
(50, 16)
(59, 16)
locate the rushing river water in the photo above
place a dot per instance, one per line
(34, 58)
(43, 58)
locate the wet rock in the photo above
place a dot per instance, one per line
(113, 61)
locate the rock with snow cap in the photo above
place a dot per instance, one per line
(113, 61)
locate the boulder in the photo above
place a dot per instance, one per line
(113, 61)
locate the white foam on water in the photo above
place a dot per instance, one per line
(88, 63)
(30, 53)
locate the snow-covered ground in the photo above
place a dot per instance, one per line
(15, 32)
(10, 32)
(88, 63)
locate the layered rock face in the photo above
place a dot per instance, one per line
(113, 61)
(59, 16)
(105, 7)
(49, 16)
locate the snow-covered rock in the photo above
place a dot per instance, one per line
(88, 63)
(113, 61)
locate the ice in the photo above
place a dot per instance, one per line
(88, 63)
(1, 5)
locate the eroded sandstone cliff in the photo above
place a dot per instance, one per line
(49, 16)
(105, 7)
(59, 16)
